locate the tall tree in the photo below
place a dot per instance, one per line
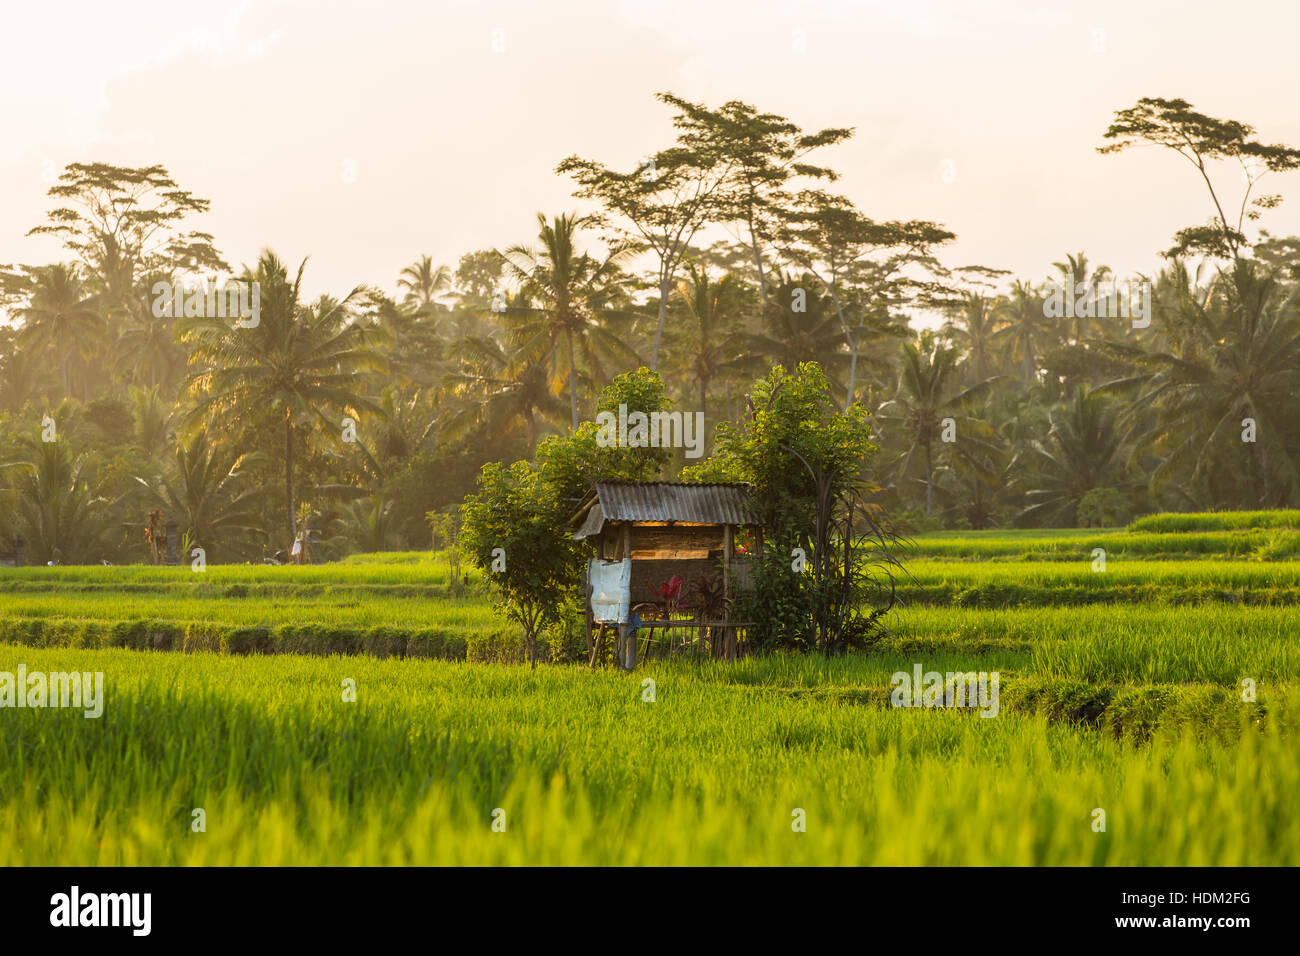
(706, 347)
(299, 366)
(123, 222)
(1203, 140)
(1078, 272)
(1024, 326)
(571, 297)
(497, 388)
(1233, 354)
(666, 200)
(800, 325)
(61, 317)
(62, 505)
(764, 152)
(973, 325)
(422, 283)
(929, 390)
(828, 237)
(1081, 452)
(210, 493)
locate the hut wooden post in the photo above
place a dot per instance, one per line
(629, 647)
(626, 639)
(587, 616)
(728, 545)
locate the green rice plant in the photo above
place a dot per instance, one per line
(1216, 521)
(587, 771)
(1164, 691)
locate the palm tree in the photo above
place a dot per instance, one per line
(417, 350)
(297, 366)
(1082, 451)
(1024, 326)
(928, 392)
(705, 348)
(1074, 270)
(800, 325)
(60, 316)
(365, 525)
(497, 388)
(422, 283)
(974, 327)
(24, 374)
(575, 301)
(209, 493)
(62, 514)
(146, 349)
(153, 419)
(1233, 353)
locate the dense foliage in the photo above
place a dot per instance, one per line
(357, 415)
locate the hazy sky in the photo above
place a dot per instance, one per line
(264, 107)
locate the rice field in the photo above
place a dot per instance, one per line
(1163, 691)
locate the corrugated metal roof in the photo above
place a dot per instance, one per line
(672, 501)
(595, 521)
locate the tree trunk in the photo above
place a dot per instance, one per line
(853, 370)
(929, 481)
(665, 281)
(758, 261)
(852, 342)
(573, 394)
(288, 476)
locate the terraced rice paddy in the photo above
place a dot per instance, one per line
(1120, 690)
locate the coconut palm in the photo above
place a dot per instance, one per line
(705, 347)
(24, 374)
(1024, 327)
(299, 366)
(146, 350)
(1076, 271)
(62, 512)
(1232, 354)
(929, 390)
(574, 313)
(800, 325)
(365, 525)
(1082, 451)
(153, 419)
(210, 494)
(60, 316)
(421, 283)
(974, 327)
(496, 388)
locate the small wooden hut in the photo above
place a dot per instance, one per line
(647, 534)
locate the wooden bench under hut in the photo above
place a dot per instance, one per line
(668, 561)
